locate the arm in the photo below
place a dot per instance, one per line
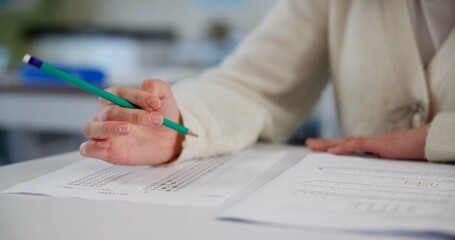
(265, 89)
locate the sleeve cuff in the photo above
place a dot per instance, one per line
(440, 142)
(197, 117)
(192, 147)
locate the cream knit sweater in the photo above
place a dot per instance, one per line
(368, 50)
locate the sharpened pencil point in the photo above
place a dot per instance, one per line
(192, 133)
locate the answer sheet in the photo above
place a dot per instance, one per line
(206, 182)
(353, 193)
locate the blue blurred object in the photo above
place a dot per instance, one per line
(34, 77)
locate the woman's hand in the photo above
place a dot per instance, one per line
(133, 136)
(408, 144)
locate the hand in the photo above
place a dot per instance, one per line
(408, 144)
(133, 136)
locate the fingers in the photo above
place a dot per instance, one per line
(103, 130)
(408, 144)
(142, 99)
(156, 87)
(319, 144)
(349, 146)
(134, 116)
(341, 146)
(101, 150)
(95, 149)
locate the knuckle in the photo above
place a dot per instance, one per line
(110, 112)
(113, 90)
(98, 115)
(105, 129)
(153, 84)
(165, 85)
(136, 98)
(87, 130)
(136, 117)
(146, 84)
(120, 91)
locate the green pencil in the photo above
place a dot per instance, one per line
(33, 61)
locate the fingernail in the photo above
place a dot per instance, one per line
(153, 102)
(155, 118)
(82, 148)
(101, 144)
(123, 128)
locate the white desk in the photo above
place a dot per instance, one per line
(47, 218)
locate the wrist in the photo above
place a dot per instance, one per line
(177, 148)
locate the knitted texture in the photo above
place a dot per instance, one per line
(267, 87)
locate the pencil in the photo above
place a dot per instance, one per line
(35, 62)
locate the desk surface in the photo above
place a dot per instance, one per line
(39, 217)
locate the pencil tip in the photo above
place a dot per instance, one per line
(192, 133)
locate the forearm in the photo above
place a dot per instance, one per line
(264, 89)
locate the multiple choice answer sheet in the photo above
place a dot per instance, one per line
(206, 182)
(353, 193)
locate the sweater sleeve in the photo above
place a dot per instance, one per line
(440, 142)
(264, 89)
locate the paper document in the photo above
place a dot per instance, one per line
(205, 182)
(353, 193)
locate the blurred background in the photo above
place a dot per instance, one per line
(112, 42)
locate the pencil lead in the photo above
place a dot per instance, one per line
(191, 133)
